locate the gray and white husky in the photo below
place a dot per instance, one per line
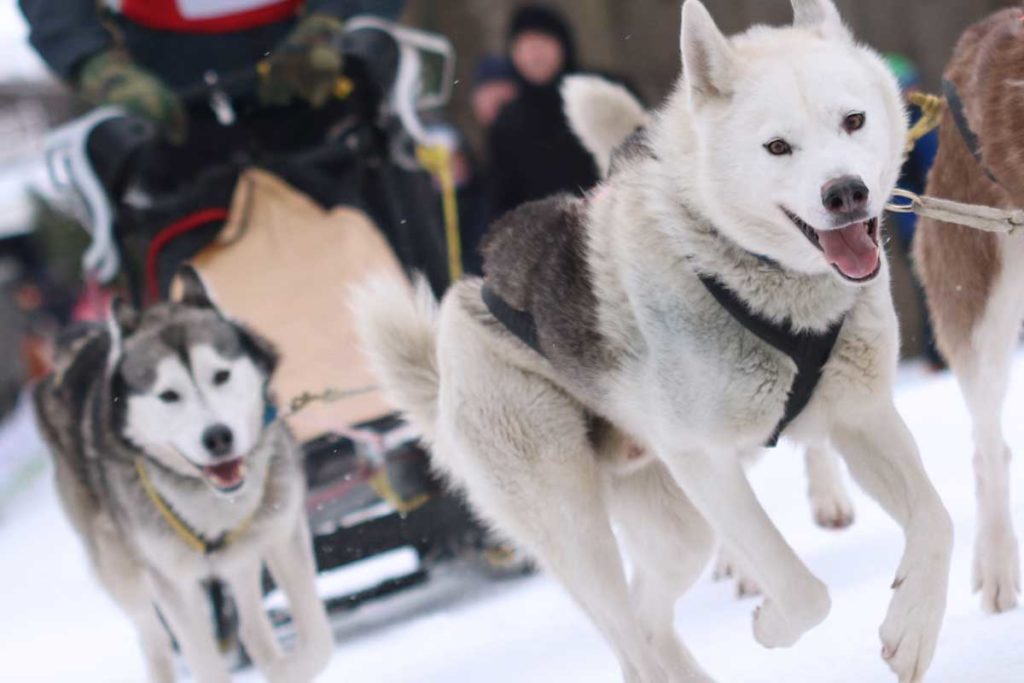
(172, 468)
(662, 310)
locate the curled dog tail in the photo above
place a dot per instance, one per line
(398, 330)
(602, 114)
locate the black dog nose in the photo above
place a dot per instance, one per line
(217, 439)
(845, 195)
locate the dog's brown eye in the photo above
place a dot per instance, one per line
(170, 396)
(778, 147)
(853, 122)
(221, 377)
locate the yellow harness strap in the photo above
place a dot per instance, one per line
(189, 537)
(438, 161)
(381, 485)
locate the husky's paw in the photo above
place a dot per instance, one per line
(833, 508)
(726, 569)
(774, 627)
(911, 627)
(997, 572)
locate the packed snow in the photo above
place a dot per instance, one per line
(18, 61)
(59, 626)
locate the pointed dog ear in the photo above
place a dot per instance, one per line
(822, 16)
(123, 317)
(122, 322)
(193, 290)
(259, 348)
(709, 64)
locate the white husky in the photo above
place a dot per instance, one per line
(724, 283)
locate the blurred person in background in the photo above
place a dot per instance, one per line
(495, 84)
(914, 177)
(532, 152)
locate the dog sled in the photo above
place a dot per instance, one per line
(277, 260)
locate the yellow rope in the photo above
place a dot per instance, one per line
(932, 108)
(381, 484)
(189, 537)
(437, 159)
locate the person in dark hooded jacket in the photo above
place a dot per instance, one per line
(532, 151)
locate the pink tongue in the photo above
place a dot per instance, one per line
(226, 474)
(851, 250)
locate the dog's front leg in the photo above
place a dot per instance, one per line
(883, 458)
(255, 629)
(183, 605)
(795, 600)
(293, 568)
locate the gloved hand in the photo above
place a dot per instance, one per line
(111, 77)
(307, 64)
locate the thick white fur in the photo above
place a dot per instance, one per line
(688, 384)
(602, 114)
(401, 333)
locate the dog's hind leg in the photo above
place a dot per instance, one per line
(669, 544)
(883, 458)
(830, 501)
(983, 369)
(524, 456)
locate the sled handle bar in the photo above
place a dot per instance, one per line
(407, 95)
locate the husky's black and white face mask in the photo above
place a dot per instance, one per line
(191, 386)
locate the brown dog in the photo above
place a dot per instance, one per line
(975, 280)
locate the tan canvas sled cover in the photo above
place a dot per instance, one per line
(284, 266)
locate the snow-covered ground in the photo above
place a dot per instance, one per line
(58, 626)
(18, 61)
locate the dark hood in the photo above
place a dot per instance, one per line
(548, 21)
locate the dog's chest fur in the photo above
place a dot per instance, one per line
(627, 326)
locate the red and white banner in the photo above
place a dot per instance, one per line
(206, 16)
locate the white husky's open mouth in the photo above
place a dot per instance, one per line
(227, 476)
(852, 249)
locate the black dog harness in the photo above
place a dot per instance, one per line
(519, 323)
(956, 109)
(810, 351)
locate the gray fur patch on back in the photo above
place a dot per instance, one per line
(535, 259)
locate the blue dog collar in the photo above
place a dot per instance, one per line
(269, 413)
